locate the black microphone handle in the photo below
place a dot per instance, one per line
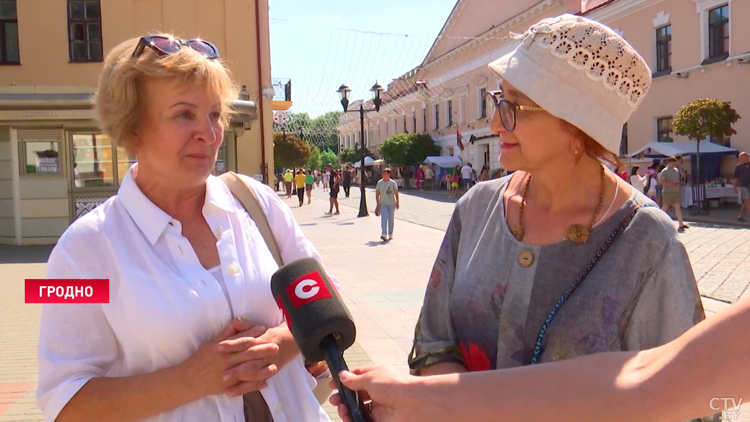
(352, 400)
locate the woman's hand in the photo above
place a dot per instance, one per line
(395, 395)
(268, 353)
(205, 370)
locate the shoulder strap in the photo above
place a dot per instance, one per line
(248, 199)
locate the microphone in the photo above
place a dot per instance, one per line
(319, 321)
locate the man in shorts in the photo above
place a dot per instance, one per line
(742, 183)
(333, 183)
(671, 193)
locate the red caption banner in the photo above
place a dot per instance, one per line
(67, 291)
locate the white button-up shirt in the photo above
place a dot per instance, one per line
(164, 304)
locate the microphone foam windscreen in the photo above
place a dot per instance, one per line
(312, 307)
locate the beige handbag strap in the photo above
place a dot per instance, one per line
(248, 199)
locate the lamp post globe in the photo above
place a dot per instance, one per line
(376, 92)
(344, 96)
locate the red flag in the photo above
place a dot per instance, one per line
(460, 140)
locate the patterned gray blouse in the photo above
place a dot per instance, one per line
(483, 308)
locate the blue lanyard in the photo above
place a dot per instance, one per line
(538, 349)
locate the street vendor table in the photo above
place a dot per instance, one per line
(719, 193)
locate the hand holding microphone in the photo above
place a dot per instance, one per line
(319, 322)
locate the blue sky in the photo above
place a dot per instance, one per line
(321, 44)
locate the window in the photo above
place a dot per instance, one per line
(482, 103)
(450, 151)
(437, 116)
(664, 129)
(624, 141)
(93, 161)
(664, 50)
(720, 141)
(414, 120)
(84, 31)
(718, 32)
(40, 157)
(424, 120)
(395, 127)
(9, 33)
(405, 131)
(449, 113)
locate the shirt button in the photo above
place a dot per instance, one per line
(278, 407)
(233, 269)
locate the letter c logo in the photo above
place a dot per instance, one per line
(310, 285)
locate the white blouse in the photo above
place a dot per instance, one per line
(164, 304)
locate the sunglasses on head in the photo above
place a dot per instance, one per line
(166, 45)
(508, 109)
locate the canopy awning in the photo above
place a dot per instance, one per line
(445, 161)
(368, 162)
(666, 149)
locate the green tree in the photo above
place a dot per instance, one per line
(326, 157)
(702, 119)
(408, 148)
(290, 151)
(313, 162)
(349, 155)
(321, 131)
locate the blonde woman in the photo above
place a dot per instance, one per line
(191, 326)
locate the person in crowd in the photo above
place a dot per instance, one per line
(288, 180)
(670, 179)
(484, 175)
(346, 180)
(466, 172)
(326, 179)
(652, 181)
(299, 184)
(562, 258)
(191, 330)
(742, 184)
(638, 179)
(682, 379)
(309, 183)
(455, 183)
(333, 183)
(387, 202)
(429, 176)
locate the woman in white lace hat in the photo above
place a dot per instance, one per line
(562, 258)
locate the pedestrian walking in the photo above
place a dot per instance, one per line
(326, 179)
(333, 183)
(672, 191)
(347, 180)
(562, 258)
(309, 183)
(742, 184)
(288, 179)
(466, 172)
(299, 183)
(192, 331)
(387, 200)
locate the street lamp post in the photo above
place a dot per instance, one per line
(344, 91)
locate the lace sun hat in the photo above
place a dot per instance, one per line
(580, 71)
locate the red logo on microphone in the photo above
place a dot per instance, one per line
(306, 289)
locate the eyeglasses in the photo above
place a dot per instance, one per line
(508, 109)
(165, 45)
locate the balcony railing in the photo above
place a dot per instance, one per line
(282, 89)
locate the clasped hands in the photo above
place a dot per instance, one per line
(240, 359)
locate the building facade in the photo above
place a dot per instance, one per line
(695, 48)
(55, 164)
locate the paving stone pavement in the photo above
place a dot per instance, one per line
(383, 284)
(720, 255)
